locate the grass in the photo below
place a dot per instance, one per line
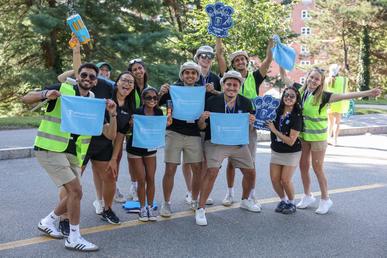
(372, 101)
(18, 122)
(366, 111)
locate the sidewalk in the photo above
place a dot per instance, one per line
(16, 144)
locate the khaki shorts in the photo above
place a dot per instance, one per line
(61, 167)
(316, 146)
(253, 143)
(239, 156)
(176, 143)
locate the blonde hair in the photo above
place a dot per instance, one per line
(319, 91)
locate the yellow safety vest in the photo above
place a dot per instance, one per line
(248, 88)
(340, 86)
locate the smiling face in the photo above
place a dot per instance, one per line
(125, 84)
(190, 76)
(231, 87)
(205, 60)
(240, 63)
(104, 71)
(150, 99)
(289, 97)
(87, 78)
(138, 71)
(314, 80)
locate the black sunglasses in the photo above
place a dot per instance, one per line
(206, 56)
(288, 95)
(85, 75)
(149, 98)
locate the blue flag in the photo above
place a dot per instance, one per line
(283, 55)
(82, 116)
(229, 129)
(149, 131)
(265, 110)
(188, 102)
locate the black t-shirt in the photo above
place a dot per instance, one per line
(284, 125)
(180, 126)
(71, 148)
(103, 90)
(217, 104)
(124, 130)
(258, 78)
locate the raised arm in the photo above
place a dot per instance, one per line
(220, 56)
(110, 129)
(286, 80)
(76, 61)
(268, 59)
(352, 95)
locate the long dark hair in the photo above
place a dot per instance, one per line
(297, 109)
(129, 104)
(139, 61)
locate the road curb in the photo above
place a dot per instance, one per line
(263, 136)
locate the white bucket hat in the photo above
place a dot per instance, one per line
(232, 74)
(334, 69)
(203, 50)
(232, 56)
(189, 65)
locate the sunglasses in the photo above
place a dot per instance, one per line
(206, 56)
(291, 96)
(136, 60)
(84, 75)
(149, 98)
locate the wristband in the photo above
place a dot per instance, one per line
(113, 115)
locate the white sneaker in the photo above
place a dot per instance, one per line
(200, 217)
(188, 197)
(81, 245)
(50, 229)
(228, 200)
(165, 210)
(119, 197)
(194, 205)
(255, 200)
(324, 206)
(250, 205)
(133, 194)
(98, 205)
(209, 201)
(306, 201)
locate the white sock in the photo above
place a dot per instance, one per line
(74, 233)
(252, 193)
(291, 201)
(231, 191)
(50, 218)
(285, 199)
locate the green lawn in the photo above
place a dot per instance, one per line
(19, 122)
(366, 111)
(372, 101)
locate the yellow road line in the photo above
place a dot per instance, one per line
(132, 223)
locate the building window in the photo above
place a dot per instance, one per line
(305, 31)
(305, 62)
(304, 49)
(305, 14)
(302, 80)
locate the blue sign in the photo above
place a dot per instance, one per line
(220, 19)
(188, 102)
(149, 131)
(229, 129)
(265, 110)
(283, 55)
(82, 116)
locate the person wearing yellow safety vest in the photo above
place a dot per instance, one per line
(336, 84)
(61, 154)
(314, 134)
(239, 61)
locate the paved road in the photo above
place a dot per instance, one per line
(355, 227)
(384, 107)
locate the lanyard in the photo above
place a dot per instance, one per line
(282, 120)
(227, 109)
(206, 79)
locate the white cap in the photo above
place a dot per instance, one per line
(232, 74)
(334, 69)
(189, 65)
(203, 49)
(232, 56)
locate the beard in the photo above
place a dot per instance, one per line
(85, 86)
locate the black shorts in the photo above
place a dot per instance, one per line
(99, 153)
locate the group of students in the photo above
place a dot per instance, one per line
(298, 136)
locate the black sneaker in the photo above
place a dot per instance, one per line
(64, 227)
(280, 207)
(289, 209)
(110, 216)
